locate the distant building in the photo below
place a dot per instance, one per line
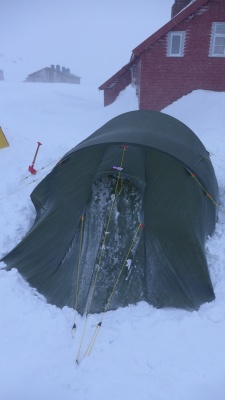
(1, 75)
(53, 75)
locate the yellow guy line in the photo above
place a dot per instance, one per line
(209, 195)
(101, 253)
(93, 339)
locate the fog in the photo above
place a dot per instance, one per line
(92, 38)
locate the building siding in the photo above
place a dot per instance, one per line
(160, 80)
(166, 79)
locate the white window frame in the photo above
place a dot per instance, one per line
(171, 35)
(214, 36)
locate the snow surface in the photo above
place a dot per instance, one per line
(140, 352)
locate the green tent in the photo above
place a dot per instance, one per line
(124, 217)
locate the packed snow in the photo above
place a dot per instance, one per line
(140, 352)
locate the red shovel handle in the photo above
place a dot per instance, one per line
(35, 156)
(31, 167)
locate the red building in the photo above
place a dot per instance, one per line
(186, 54)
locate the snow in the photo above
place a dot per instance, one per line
(139, 352)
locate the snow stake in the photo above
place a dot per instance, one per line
(31, 167)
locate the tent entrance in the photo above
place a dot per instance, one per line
(125, 218)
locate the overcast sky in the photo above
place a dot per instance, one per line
(94, 38)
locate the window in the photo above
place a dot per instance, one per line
(217, 48)
(175, 44)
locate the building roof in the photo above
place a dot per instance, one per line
(55, 70)
(117, 74)
(182, 15)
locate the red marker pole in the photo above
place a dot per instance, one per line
(31, 167)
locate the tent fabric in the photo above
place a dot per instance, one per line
(166, 265)
(3, 140)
